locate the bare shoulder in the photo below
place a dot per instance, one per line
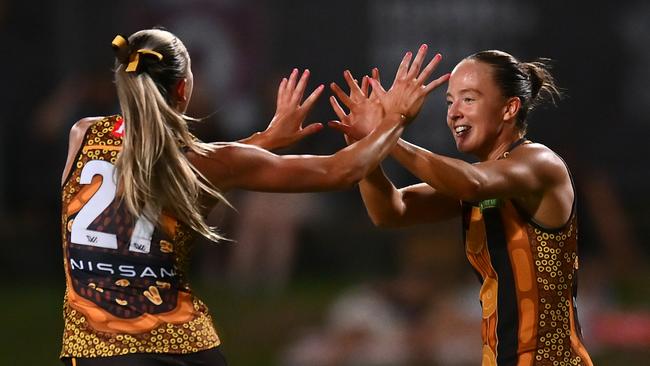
(541, 159)
(77, 133)
(81, 126)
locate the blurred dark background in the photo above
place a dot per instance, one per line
(310, 281)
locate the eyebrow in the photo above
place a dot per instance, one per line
(467, 90)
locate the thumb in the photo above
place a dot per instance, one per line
(345, 129)
(311, 129)
(340, 126)
(349, 131)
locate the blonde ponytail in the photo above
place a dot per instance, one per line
(152, 168)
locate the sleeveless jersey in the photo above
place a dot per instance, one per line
(126, 283)
(528, 292)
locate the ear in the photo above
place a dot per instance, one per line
(511, 108)
(180, 90)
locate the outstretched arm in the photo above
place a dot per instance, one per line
(528, 171)
(286, 127)
(232, 165)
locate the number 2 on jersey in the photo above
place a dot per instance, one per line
(80, 234)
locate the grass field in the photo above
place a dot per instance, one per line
(254, 327)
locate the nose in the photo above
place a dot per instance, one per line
(453, 113)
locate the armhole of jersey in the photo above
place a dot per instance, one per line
(575, 191)
(76, 156)
(531, 220)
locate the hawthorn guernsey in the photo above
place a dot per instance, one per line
(126, 283)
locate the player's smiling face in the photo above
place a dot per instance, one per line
(475, 108)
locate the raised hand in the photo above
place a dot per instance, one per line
(406, 95)
(365, 110)
(286, 126)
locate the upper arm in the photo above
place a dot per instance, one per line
(232, 165)
(77, 133)
(530, 170)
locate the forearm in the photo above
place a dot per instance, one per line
(449, 176)
(382, 199)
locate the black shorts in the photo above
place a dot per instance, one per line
(210, 357)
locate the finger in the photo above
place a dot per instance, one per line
(281, 89)
(375, 74)
(340, 113)
(377, 89)
(311, 129)
(346, 129)
(364, 85)
(311, 99)
(436, 83)
(300, 87)
(341, 95)
(417, 62)
(429, 68)
(402, 70)
(352, 83)
(340, 126)
(292, 81)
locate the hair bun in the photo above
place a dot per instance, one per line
(535, 74)
(542, 83)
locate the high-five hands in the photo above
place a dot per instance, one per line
(286, 126)
(404, 98)
(365, 110)
(406, 95)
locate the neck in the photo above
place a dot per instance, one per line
(501, 146)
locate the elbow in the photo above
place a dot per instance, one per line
(385, 217)
(383, 222)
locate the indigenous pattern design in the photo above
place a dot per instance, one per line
(528, 276)
(126, 289)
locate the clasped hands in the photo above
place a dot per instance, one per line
(368, 103)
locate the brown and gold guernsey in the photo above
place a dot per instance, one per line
(528, 292)
(126, 283)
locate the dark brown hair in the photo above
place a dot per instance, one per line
(531, 82)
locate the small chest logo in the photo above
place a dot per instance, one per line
(490, 203)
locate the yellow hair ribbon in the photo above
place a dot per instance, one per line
(135, 58)
(119, 42)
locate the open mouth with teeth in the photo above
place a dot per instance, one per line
(462, 130)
